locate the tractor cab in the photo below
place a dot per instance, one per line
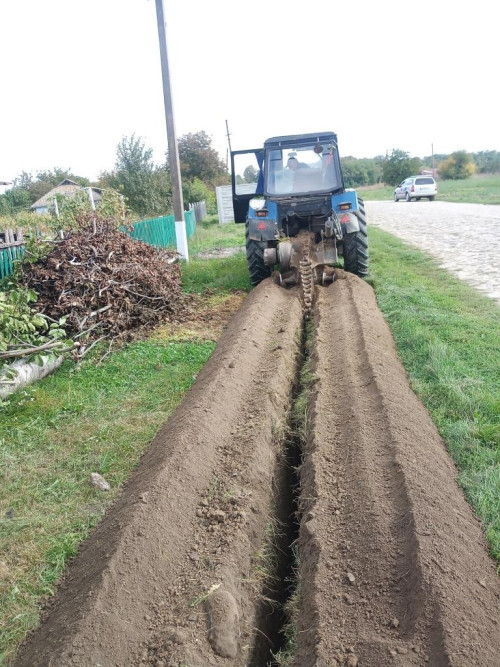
(304, 166)
(289, 167)
(294, 186)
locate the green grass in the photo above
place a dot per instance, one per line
(448, 337)
(52, 436)
(96, 419)
(209, 235)
(217, 275)
(481, 189)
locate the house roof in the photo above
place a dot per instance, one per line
(66, 187)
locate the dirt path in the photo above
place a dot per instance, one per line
(394, 568)
(464, 238)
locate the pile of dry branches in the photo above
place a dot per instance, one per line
(106, 283)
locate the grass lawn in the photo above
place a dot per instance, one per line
(448, 337)
(212, 236)
(101, 418)
(481, 189)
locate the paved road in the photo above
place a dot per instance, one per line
(465, 238)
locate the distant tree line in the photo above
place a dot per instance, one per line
(28, 188)
(398, 165)
(145, 186)
(147, 189)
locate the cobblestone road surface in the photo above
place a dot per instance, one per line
(464, 238)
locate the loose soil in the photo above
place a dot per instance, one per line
(394, 567)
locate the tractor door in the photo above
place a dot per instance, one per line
(247, 179)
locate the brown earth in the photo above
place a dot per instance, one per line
(394, 568)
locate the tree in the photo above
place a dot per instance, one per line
(398, 166)
(199, 159)
(34, 188)
(196, 190)
(360, 171)
(146, 187)
(458, 165)
(14, 200)
(24, 180)
(57, 175)
(251, 175)
(487, 162)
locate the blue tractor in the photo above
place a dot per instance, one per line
(299, 217)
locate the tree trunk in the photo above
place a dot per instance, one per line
(25, 373)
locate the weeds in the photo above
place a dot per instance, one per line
(204, 596)
(286, 655)
(266, 560)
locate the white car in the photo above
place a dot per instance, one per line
(416, 187)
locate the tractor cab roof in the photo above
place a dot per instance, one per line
(301, 138)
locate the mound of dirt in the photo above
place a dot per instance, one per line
(106, 283)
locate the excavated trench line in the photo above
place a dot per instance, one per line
(193, 564)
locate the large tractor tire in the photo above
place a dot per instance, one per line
(255, 259)
(356, 246)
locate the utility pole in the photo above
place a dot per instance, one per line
(173, 151)
(229, 143)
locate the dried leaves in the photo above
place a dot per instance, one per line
(106, 283)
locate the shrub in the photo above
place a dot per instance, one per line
(21, 326)
(457, 166)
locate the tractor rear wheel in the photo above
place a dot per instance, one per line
(255, 259)
(356, 246)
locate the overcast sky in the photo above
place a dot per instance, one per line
(77, 75)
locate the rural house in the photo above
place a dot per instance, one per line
(67, 188)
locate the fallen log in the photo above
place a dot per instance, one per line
(22, 373)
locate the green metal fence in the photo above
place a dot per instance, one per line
(161, 231)
(7, 258)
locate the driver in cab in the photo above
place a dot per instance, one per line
(294, 164)
(300, 171)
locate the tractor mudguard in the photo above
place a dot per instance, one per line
(345, 205)
(260, 229)
(349, 222)
(345, 201)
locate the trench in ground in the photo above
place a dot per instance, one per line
(274, 642)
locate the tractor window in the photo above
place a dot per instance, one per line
(302, 169)
(246, 170)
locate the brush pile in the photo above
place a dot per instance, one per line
(105, 283)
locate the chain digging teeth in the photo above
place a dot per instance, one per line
(306, 279)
